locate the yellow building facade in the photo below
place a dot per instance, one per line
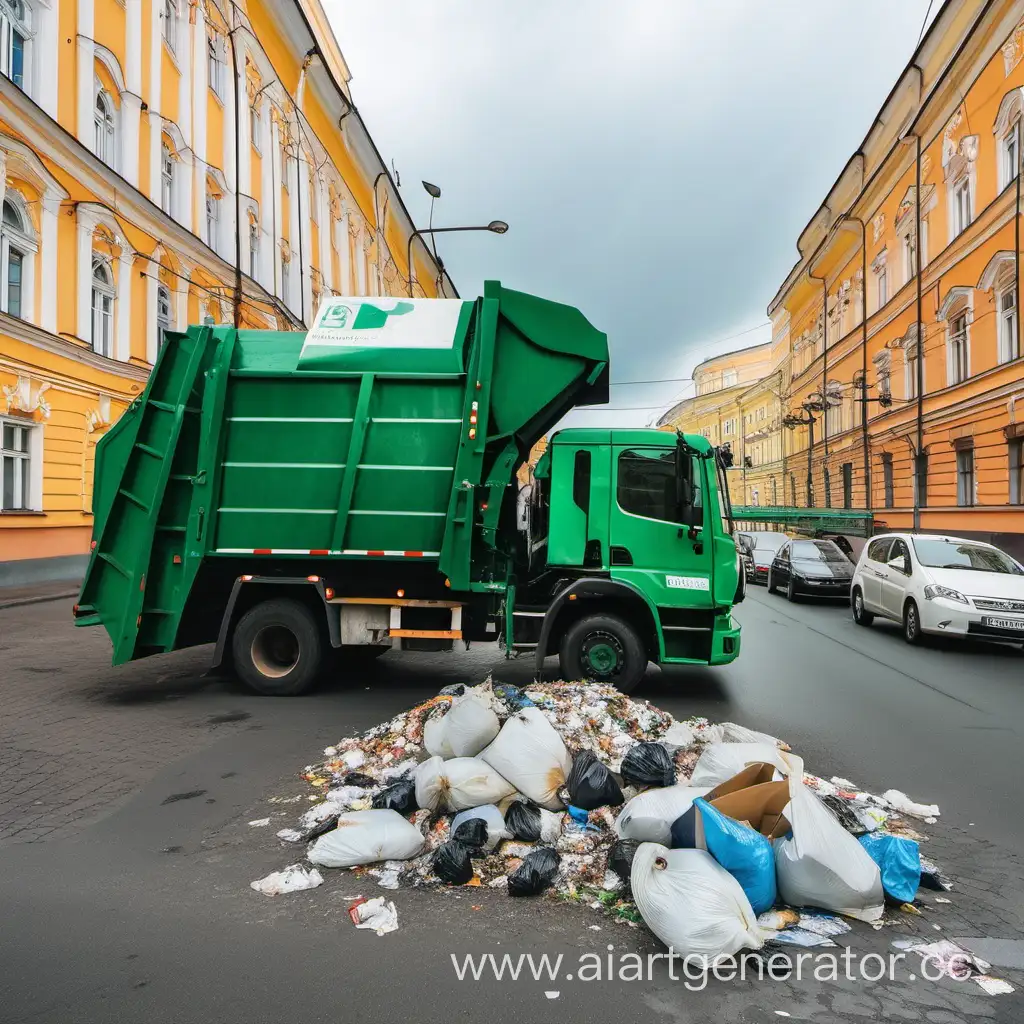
(165, 162)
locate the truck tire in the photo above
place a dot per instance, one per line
(277, 648)
(605, 649)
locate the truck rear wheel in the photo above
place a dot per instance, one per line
(603, 648)
(277, 648)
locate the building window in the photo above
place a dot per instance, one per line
(105, 126)
(16, 468)
(212, 219)
(166, 179)
(730, 378)
(1017, 472)
(15, 33)
(881, 287)
(1011, 153)
(254, 250)
(215, 66)
(921, 479)
(1009, 336)
(923, 247)
(170, 18)
(890, 498)
(965, 476)
(286, 267)
(16, 247)
(847, 485)
(102, 306)
(828, 488)
(255, 126)
(913, 368)
(909, 258)
(958, 348)
(961, 214)
(163, 314)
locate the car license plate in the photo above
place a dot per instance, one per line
(1017, 624)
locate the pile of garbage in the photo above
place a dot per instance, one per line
(705, 833)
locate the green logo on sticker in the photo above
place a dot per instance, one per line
(372, 317)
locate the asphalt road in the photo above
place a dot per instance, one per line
(146, 913)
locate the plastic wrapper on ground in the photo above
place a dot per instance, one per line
(293, 878)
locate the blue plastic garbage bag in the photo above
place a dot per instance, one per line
(513, 696)
(743, 852)
(899, 861)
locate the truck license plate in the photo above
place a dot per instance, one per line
(1017, 624)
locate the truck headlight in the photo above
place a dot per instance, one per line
(948, 593)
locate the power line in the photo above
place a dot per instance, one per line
(924, 24)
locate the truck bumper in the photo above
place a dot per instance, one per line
(725, 644)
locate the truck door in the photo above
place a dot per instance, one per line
(650, 545)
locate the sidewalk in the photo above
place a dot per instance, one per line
(15, 597)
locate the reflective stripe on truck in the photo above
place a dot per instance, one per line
(325, 551)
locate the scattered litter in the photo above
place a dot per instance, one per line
(951, 959)
(781, 1013)
(776, 920)
(290, 835)
(824, 924)
(594, 927)
(293, 878)
(901, 802)
(259, 823)
(942, 899)
(377, 914)
(994, 986)
(800, 937)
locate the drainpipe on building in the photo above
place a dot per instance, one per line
(300, 91)
(1016, 251)
(920, 466)
(238, 190)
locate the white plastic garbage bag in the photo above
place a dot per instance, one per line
(730, 732)
(721, 761)
(493, 819)
(471, 723)
(364, 837)
(648, 817)
(822, 865)
(531, 755)
(901, 802)
(692, 903)
(679, 734)
(293, 878)
(459, 784)
(435, 737)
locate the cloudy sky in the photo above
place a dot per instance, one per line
(655, 168)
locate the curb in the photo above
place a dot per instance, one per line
(37, 600)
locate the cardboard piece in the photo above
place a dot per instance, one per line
(750, 797)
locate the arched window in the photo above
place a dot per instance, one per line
(15, 36)
(163, 314)
(105, 127)
(170, 20)
(166, 178)
(17, 247)
(212, 217)
(102, 306)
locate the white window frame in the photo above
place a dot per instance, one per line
(164, 313)
(104, 296)
(909, 257)
(256, 127)
(30, 478)
(1009, 322)
(12, 28)
(104, 126)
(880, 277)
(730, 378)
(912, 351)
(212, 220)
(285, 277)
(961, 198)
(215, 68)
(958, 340)
(20, 241)
(167, 179)
(169, 15)
(1009, 154)
(254, 250)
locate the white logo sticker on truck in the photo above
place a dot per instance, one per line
(688, 582)
(386, 323)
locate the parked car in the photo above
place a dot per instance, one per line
(811, 567)
(760, 548)
(942, 585)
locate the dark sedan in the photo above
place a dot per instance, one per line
(760, 548)
(816, 567)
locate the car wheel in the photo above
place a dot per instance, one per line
(791, 590)
(277, 648)
(772, 589)
(912, 623)
(860, 614)
(603, 648)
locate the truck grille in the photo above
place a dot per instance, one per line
(997, 604)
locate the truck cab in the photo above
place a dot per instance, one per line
(629, 556)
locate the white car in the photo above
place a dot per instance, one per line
(942, 585)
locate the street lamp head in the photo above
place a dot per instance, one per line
(432, 190)
(499, 227)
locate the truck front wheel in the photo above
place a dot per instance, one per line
(277, 648)
(603, 648)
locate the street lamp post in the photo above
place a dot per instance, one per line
(792, 421)
(497, 227)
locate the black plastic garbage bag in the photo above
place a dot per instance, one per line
(452, 862)
(648, 764)
(620, 858)
(399, 797)
(472, 832)
(535, 874)
(523, 821)
(321, 828)
(360, 779)
(591, 784)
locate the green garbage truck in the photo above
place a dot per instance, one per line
(306, 500)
